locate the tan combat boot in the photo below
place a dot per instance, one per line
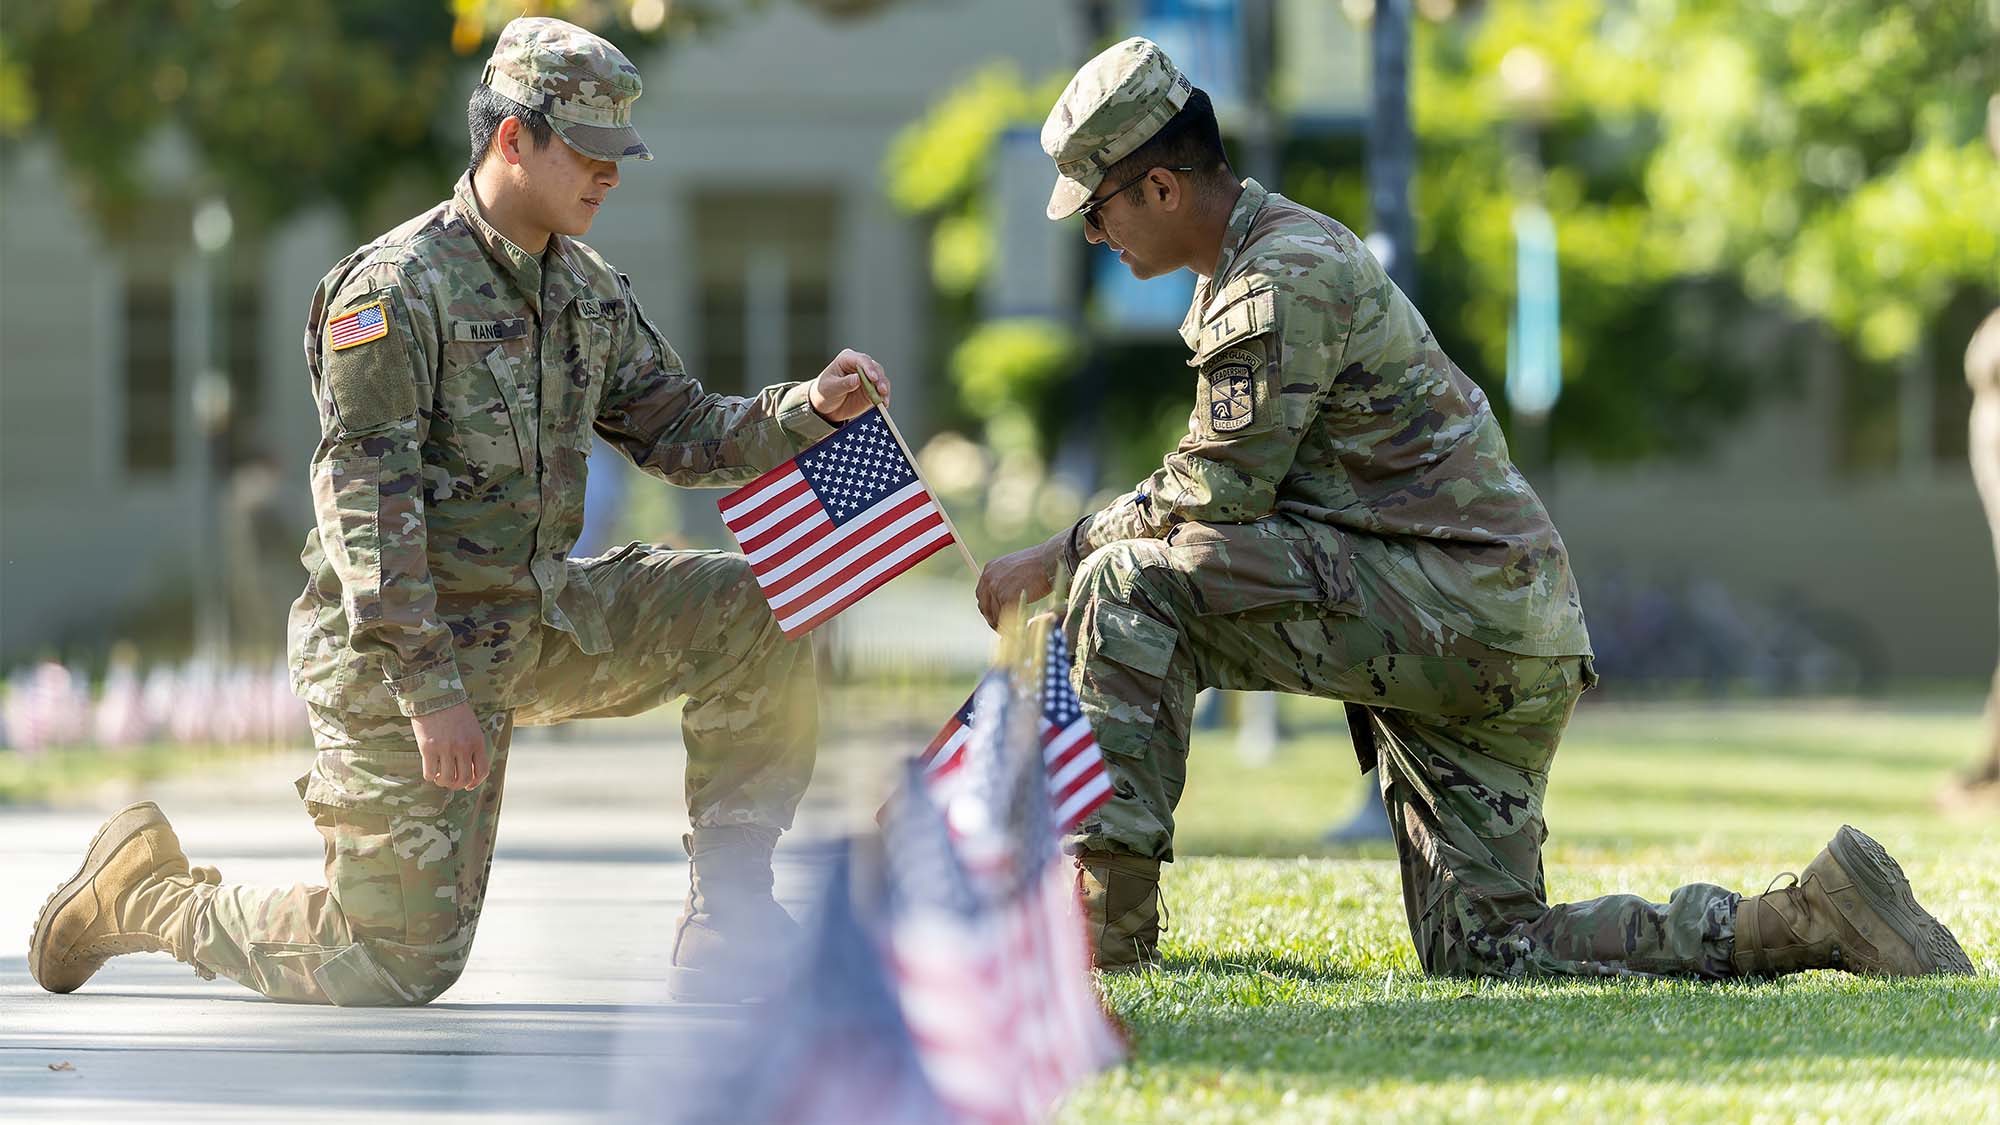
(134, 894)
(1852, 910)
(734, 939)
(1121, 908)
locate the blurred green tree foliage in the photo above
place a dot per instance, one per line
(1716, 168)
(286, 102)
(1008, 373)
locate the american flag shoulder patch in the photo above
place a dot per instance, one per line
(369, 322)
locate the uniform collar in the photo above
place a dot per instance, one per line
(522, 268)
(1241, 218)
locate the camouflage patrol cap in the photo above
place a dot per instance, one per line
(1113, 105)
(579, 81)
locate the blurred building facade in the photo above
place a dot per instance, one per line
(760, 241)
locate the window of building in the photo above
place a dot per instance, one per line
(148, 378)
(242, 331)
(765, 300)
(1909, 416)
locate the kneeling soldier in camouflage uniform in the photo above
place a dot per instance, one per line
(460, 363)
(1342, 520)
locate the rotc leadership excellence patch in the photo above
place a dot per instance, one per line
(358, 327)
(1232, 393)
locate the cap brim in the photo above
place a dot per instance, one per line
(1068, 197)
(603, 142)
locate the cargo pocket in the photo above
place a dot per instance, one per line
(1239, 567)
(397, 854)
(1475, 737)
(1124, 668)
(384, 782)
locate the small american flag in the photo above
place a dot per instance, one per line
(832, 1048)
(1077, 780)
(985, 937)
(358, 327)
(826, 528)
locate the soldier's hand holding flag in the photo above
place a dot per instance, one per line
(837, 395)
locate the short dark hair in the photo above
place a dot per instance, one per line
(487, 109)
(1191, 138)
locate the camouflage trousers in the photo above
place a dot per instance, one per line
(1464, 736)
(407, 861)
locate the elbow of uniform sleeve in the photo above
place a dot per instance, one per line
(1217, 492)
(1128, 517)
(432, 689)
(798, 419)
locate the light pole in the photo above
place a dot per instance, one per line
(1392, 146)
(212, 230)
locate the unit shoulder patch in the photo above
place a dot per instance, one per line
(1231, 381)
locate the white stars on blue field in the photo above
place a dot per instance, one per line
(856, 467)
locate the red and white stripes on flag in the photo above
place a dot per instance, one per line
(1078, 782)
(1001, 1004)
(986, 937)
(833, 524)
(358, 327)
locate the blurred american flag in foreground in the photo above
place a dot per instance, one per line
(945, 979)
(1077, 780)
(986, 936)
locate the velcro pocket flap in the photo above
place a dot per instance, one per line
(387, 782)
(1236, 315)
(371, 382)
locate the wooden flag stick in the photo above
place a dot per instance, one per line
(965, 552)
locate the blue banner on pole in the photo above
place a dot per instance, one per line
(1534, 345)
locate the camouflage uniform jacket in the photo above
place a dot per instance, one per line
(1322, 396)
(448, 482)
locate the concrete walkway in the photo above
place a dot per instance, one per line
(561, 1004)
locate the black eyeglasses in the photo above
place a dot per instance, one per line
(1090, 209)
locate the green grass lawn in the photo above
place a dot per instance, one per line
(1291, 991)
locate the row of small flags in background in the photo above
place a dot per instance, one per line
(50, 706)
(946, 974)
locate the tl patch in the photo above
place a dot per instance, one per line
(366, 323)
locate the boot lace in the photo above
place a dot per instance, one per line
(1833, 954)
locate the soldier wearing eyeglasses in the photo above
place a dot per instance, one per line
(1343, 520)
